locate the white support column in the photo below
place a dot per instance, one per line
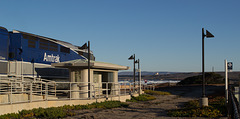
(73, 88)
(226, 81)
(115, 85)
(140, 82)
(71, 75)
(92, 94)
(100, 84)
(84, 84)
(75, 91)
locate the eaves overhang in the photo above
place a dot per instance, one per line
(83, 64)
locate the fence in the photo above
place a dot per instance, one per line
(26, 92)
(233, 102)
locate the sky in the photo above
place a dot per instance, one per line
(166, 35)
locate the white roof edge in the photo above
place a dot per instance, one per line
(97, 65)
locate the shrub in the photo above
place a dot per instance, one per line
(142, 97)
(10, 116)
(60, 112)
(215, 109)
(150, 92)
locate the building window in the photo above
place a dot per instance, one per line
(25, 36)
(31, 43)
(53, 46)
(47, 45)
(43, 44)
(64, 49)
(31, 40)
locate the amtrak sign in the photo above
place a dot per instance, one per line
(51, 58)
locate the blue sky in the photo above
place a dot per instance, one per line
(164, 34)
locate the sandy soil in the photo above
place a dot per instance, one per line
(152, 109)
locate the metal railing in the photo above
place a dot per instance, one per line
(233, 107)
(233, 104)
(26, 92)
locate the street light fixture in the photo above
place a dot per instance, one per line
(204, 101)
(139, 75)
(132, 57)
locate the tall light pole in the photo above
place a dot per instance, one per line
(89, 58)
(87, 46)
(204, 101)
(132, 57)
(139, 75)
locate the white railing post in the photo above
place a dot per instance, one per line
(133, 87)
(11, 94)
(22, 86)
(112, 90)
(107, 89)
(70, 91)
(22, 70)
(90, 90)
(125, 88)
(15, 67)
(99, 90)
(46, 91)
(130, 88)
(55, 88)
(119, 91)
(41, 88)
(30, 95)
(94, 91)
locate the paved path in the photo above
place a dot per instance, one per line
(150, 109)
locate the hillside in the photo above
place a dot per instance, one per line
(172, 75)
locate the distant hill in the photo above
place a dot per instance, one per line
(172, 75)
(146, 73)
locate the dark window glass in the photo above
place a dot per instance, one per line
(43, 44)
(25, 36)
(64, 49)
(53, 46)
(47, 45)
(31, 40)
(31, 43)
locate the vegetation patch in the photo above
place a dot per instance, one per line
(211, 78)
(142, 97)
(215, 109)
(151, 92)
(61, 112)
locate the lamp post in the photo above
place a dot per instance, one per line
(132, 57)
(139, 75)
(89, 58)
(87, 46)
(204, 100)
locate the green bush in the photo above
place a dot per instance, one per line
(151, 92)
(208, 111)
(215, 109)
(10, 116)
(142, 97)
(61, 112)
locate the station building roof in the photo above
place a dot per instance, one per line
(66, 44)
(81, 63)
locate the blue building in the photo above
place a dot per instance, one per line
(21, 51)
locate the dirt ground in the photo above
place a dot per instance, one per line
(152, 109)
